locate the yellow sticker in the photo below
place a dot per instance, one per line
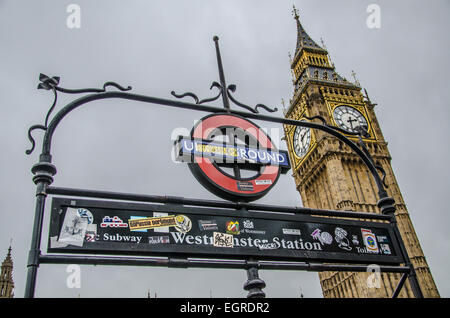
(152, 222)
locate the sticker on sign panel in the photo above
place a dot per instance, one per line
(73, 229)
(223, 240)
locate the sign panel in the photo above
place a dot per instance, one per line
(106, 227)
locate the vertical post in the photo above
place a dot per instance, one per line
(254, 284)
(43, 176)
(226, 102)
(400, 285)
(412, 272)
(386, 205)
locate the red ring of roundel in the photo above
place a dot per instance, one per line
(269, 172)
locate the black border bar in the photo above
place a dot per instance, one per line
(211, 203)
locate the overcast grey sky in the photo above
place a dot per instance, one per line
(160, 46)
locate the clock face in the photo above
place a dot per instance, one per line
(349, 118)
(301, 140)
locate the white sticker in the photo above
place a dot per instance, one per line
(323, 237)
(292, 232)
(370, 241)
(74, 228)
(223, 240)
(91, 233)
(263, 182)
(55, 244)
(267, 246)
(163, 229)
(386, 249)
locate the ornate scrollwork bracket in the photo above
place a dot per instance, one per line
(254, 110)
(196, 99)
(231, 88)
(51, 83)
(324, 122)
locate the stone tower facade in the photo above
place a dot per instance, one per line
(6, 279)
(329, 175)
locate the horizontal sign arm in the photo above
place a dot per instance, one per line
(210, 263)
(212, 203)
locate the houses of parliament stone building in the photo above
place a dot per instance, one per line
(6, 278)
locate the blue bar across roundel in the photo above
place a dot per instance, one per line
(235, 153)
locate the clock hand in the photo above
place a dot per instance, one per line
(350, 121)
(302, 137)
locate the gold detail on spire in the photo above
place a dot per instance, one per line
(356, 80)
(284, 106)
(323, 43)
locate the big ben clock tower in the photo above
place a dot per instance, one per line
(329, 175)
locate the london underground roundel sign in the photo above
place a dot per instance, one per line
(232, 157)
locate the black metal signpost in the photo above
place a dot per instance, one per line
(150, 230)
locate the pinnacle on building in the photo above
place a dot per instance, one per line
(6, 277)
(328, 175)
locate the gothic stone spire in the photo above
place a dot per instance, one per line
(304, 41)
(311, 64)
(6, 279)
